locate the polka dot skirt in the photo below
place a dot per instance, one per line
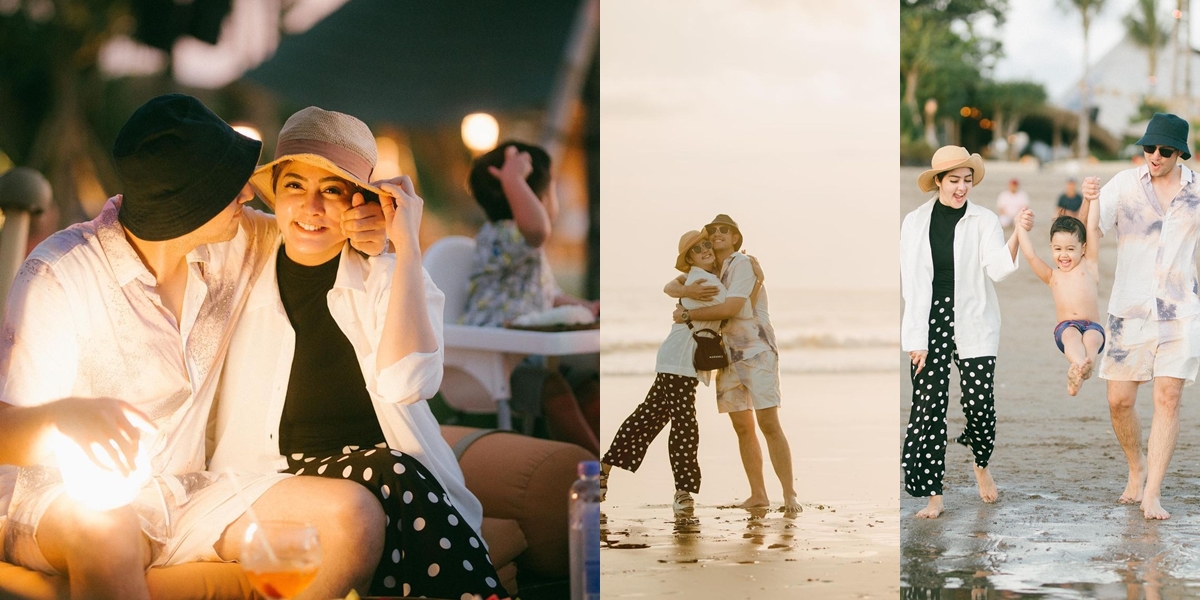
(671, 399)
(924, 453)
(429, 550)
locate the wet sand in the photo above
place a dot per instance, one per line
(844, 543)
(1056, 530)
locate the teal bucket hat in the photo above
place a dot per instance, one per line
(1167, 130)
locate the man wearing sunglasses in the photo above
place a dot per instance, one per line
(1154, 308)
(747, 389)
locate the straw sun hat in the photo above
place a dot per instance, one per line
(686, 242)
(949, 158)
(336, 142)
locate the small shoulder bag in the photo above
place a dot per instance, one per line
(710, 349)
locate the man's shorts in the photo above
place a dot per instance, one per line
(1142, 349)
(182, 516)
(750, 384)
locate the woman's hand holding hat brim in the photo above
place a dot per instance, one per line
(402, 210)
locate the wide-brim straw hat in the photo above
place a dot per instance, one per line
(949, 158)
(723, 219)
(334, 141)
(686, 242)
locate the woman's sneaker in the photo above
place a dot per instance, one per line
(683, 502)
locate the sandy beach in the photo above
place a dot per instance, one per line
(844, 543)
(1056, 530)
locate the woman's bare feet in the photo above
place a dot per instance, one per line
(1074, 378)
(791, 505)
(932, 510)
(987, 487)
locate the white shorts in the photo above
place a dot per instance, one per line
(182, 516)
(750, 384)
(1142, 349)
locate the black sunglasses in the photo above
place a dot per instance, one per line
(711, 229)
(1163, 151)
(701, 247)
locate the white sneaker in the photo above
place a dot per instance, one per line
(683, 502)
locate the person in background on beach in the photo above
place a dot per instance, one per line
(1069, 202)
(951, 250)
(1153, 310)
(748, 389)
(511, 277)
(1076, 252)
(1010, 202)
(672, 399)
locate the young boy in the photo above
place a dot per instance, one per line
(1076, 251)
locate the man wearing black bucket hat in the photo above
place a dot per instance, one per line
(138, 305)
(1154, 309)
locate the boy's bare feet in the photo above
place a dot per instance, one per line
(1152, 509)
(987, 487)
(1088, 368)
(931, 510)
(755, 502)
(1074, 379)
(1133, 489)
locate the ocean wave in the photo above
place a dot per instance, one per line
(616, 344)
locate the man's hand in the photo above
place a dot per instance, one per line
(698, 290)
(102, 424)
(918, 358)
(402, 211)
(1025, 219)
(363, 224)
(1091, 189)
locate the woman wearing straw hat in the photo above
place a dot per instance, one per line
(673, 397)
(328, 371)
(951, 250)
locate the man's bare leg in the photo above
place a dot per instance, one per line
(781, 455)
(1122, 397)
(987, 487)
(69, 536)
(932, 510)
(752, 460)
(349, 521)
(1164, 431)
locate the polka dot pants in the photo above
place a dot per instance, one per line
(672, 399)
(428, 550)
(924, 451)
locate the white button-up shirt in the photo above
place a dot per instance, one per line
(84, 318)
(980, 258)
(1156, 251)
(676, 354)
(254, 384)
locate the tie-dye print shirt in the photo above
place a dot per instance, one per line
(509, 278)
(744, 335)
(1156, 252)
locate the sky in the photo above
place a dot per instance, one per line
(781, 114)
(1044, 43)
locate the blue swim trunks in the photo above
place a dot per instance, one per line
(1083, 325)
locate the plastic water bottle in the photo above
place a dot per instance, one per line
(585, 533)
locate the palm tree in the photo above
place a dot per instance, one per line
(1147, 31)
(1088, 9)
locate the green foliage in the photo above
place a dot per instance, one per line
(1147, 109)
(1143, 25)
(1011, 97)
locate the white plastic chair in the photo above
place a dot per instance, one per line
(475, 381)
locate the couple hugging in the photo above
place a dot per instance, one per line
(721, 289)
(951, 252)
(312, 350)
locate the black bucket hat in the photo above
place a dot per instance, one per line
(180, 165)
(724, 219)
(1169, 130)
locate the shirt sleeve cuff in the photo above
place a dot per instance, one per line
(411, 379)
